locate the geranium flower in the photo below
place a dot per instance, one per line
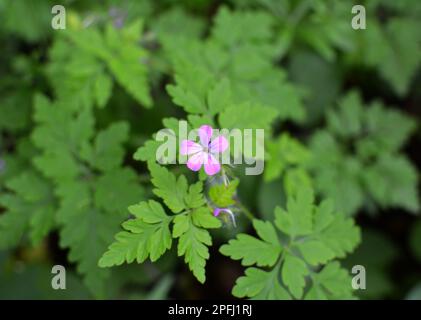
(205, 152)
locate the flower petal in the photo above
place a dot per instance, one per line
(218, 145)
(189, 147)
(217, 211)
(205, 134)
(212, 165)
(196, 160)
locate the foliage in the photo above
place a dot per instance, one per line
(311, 238)
(149, 235)
(360, 150)
(82, 177)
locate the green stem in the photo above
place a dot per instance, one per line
(246, 211)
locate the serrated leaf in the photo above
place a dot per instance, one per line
(107, 151)
(283, 153)
(370, 166)
(395, 51)
(293, 274)
(193, 246)
(392, 181)
(103, 89)
(87, 232)
(149, 212)
(332, 282)
(187, 99)
(223, 195)
(247, 116)
(219, 97)
(306, 242)
(119, 50)
(146, 236)
(170, 189)
(117, 188)
(252, 284)
(30, 208)
(202, 217)
(297, 220)
(341, 236)
(194, 198)
(315, 252)
(181, 225)
(252, 250)
(148, 151)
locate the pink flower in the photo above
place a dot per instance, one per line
(204, 153)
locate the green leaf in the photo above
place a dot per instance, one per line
(297, 220)
(247, 116)
(251, 284)
(230, 25)
(187, 99)
(371, 126)
(283, 153)
(331, 283)
(223, 195)
(392, 181)
(246, 63)
(259, 284)
(86, 231)
(170, 189)
(35, 27)
(360, 152)
(115, 189)
(192, 86)
(202, 217)
(103, 89)
(61, 133)
(181, 225)
(347, 121)
(315, 252)
(252, 250)
(194, 198)
(107, 152)
(341, 236)
(378, 120)
(311, 236)
(193, 246)
(124, 58)
(329, 164)
(167, 24)
(148, 151)
(30, 208)
(293, 273)
(146, 236)
(219, 97)
(55, 131)
(395, 51)
(149, 212)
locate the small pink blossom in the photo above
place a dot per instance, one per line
(204, 153)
